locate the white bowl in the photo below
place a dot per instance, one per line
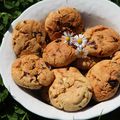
(94, 12)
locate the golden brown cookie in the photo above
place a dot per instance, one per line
(104, 78)
(63, 19)
(70, 91)
(85, 63)
(116, 57)
(103, 41)
(58, 53)
(29, 37)
(31, 72)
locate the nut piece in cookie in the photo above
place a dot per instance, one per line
(85, 63)
(59, 54)
(102, 41)
(104, 78)
(63, 19)
(29, 37)
(31, 72)
(70, 91)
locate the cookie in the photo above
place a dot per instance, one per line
(85, 63)
(28, 38)
(59, 54)
(70, 91)
(102, 41)
(116, 57)
(63, 19)
(104, 78)
(31, 72)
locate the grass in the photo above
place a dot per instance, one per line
(9, 108)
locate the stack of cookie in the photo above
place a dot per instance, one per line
(68, 64)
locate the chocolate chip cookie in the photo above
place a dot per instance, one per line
(70, 91)
(85, 63)
(102, 41)
(59, 54)
(29, 37)
(31, 72)
(116, 57)
(104, 78)
(63, 19)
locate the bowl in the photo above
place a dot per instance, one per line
(94, 12)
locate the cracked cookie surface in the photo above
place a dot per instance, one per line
(70, 91)
(59, 54)
(63, 19)
(104, 78)
(31, 72)
(103, 41)
(29, 37)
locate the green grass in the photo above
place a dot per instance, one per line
(9, 108)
